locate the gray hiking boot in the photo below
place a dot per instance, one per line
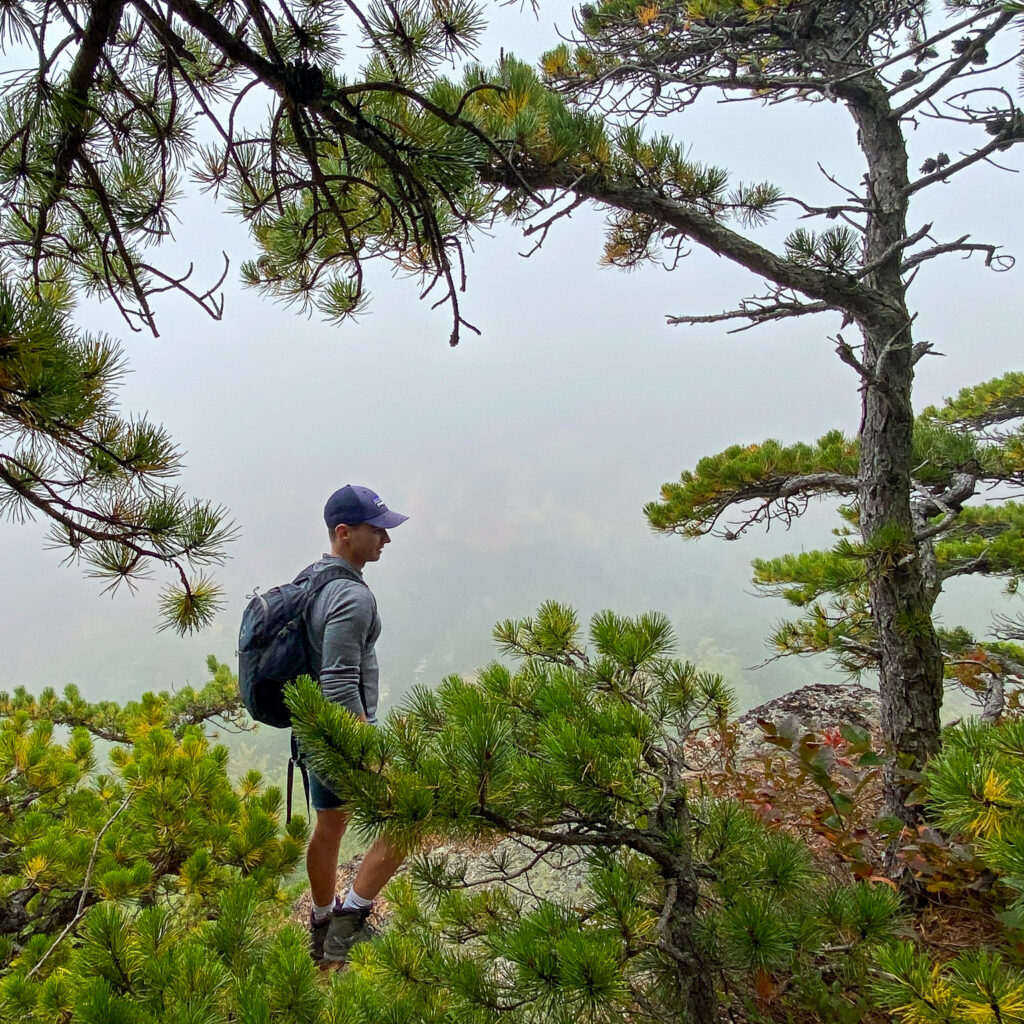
(318, 932)
(347, 928)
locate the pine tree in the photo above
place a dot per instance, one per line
(583, 753)
(884, 61)
(970, 442)
(100, 478)
(161, 827)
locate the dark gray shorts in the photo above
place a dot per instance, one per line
(321, 796)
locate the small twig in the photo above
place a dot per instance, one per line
(895, 248)
(672, 892)
(80, 913)
(1002, 263)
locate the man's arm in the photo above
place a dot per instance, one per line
(349, 616)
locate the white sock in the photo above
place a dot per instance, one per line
(353, 901)
(320, 914)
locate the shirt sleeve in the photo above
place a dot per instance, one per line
(349, 617)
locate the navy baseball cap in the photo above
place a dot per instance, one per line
(353, 505)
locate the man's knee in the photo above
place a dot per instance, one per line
(330, 825)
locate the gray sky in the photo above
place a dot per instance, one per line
(522, 457)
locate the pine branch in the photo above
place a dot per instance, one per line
(893, 250)
(960, 245)
(592, 834)
(945, 173)
(978, 566)
(102, 15)
(949, 504)
(757, 314)
(84, 899)
(961, 63)
(837, 291)
(777, 489)
(984, 405)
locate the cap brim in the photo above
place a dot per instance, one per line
(388, 520)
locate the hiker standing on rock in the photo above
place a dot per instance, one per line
(343, 628)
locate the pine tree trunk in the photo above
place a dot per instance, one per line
(910, 669)
(699, 997)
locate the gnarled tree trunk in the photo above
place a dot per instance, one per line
(910, 666)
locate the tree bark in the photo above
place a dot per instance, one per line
(697, 991)
(910, 670)
(698, 995)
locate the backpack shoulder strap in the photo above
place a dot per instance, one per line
(335, 572)
(315, 581)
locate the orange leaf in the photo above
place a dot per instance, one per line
(885, 881)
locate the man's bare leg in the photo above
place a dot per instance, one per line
(348, 925)
(377, 869)
(322, 854)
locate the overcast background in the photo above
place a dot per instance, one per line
(524, 456)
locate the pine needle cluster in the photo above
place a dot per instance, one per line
(976, 789)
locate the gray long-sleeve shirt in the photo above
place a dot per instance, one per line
(343, 631)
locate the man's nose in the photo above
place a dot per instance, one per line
(387, 539)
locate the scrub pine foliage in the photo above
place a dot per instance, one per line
(100, 478)
(136, 882)
(975, 792)
(217, 702)
(962, 449)
(580, 753)
(150, 889)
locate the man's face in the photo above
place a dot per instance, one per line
(366, 542)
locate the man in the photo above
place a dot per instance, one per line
(343, 630)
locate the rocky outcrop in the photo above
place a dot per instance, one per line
(814, 708)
